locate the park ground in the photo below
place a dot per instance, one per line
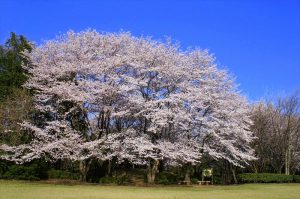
(30, 190)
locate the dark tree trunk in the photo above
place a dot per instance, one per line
(287, 160)
(109, 168)
(84, 167)
(226, 172)
(152, 170)
(188, 171)
(232, 168)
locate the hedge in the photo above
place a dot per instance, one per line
(120, 180)
(296, 178)
(21, 172)
(60, 174)
(166, 178)
(266, 178)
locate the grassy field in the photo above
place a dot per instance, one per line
(25, 190)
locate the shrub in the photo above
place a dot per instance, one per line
(107, 180)
(162, 179)
(296, 178)
(166, 178)
(21, 172)
(3, 168)
(194, 180)
(264, 178)
(60, 174)
(124, 179)
(120, 180)
(218, 180)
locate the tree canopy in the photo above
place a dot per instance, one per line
(105, 96)
(12, 75)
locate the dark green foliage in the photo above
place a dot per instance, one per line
(217, 178)
(15, 101)
(162, 179)
(96, 171)
(194, 180)
(167, 178)
(36, 170)
(120, 180)
(12, 75)
(123, 179)
(60, 174)
(296, 178)
(21, 172)
(4, 166)
(264, 178)
(108, 180)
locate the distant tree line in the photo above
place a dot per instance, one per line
(277, 128)
(113, 107)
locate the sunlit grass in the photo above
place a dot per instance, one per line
(26, 190)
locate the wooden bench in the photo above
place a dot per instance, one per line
(203, 182)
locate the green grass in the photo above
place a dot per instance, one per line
(26, 190)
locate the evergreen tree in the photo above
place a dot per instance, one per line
(12, 76)
(15, 101)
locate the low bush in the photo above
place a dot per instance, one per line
(264, 178)
(162, 179)
(124, 179)
(120, 180)
(108, 180)
(166, 178)
(296, 178)
(60, 174)
(3, 168)
(194, 180)
(20, 172)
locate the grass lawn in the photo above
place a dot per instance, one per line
(26, 190)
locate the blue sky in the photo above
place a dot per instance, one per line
(258, 41)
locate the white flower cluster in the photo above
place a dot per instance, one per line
(115, 95)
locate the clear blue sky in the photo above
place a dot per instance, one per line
(258, 41)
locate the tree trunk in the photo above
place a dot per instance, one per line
(84, 167)
(287, 160)
(255, 169)
(226, 172)
(152, 170)
(109, 165)
(233, 174)
(187, 176)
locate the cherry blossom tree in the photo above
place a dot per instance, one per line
(105, 96)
